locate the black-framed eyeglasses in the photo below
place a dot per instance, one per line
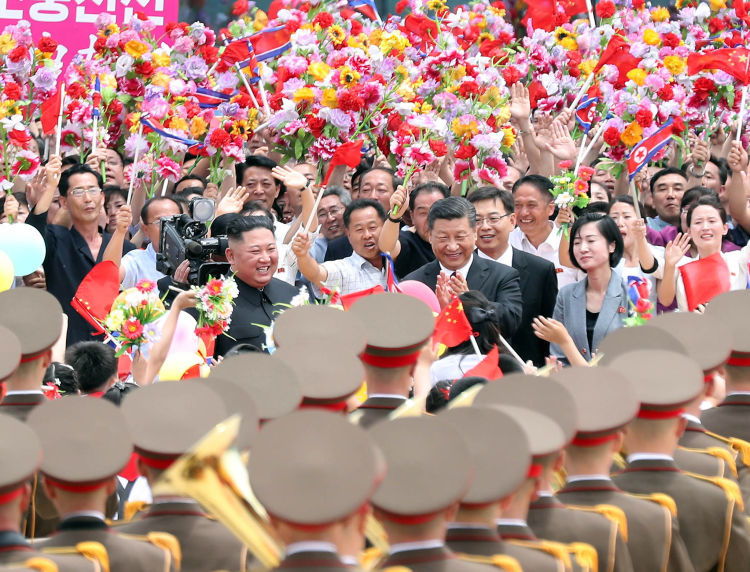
(493, 219)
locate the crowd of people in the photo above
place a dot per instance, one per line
(441, 347)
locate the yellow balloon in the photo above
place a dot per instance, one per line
(177, 364)
(6, 272)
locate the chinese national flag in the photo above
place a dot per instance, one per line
(98, 289)
(734, 61)
(452, 327)
(51, 112)
(488, 367)
(617, 53)
(348, 299)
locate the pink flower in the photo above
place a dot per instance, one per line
(168, 168)
(145, 286)
(567, 164)
(132, 328)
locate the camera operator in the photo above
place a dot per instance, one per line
(137, 265)
(253, 256)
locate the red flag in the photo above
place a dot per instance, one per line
(734, 61)
(452, 326)
(96, 292)
(705, 279)
(349, 154)
(236, 52)
(348, 299)
(51, 111)
(546, 14)
(488, 367)
(741, 11)
(617, 53)
(420, 27)
(271, 42)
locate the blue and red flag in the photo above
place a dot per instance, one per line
(271, 42)
(585, 112)
(96, 98)
(156, 127)
(366, 8)
(646, 149)
(209, 99)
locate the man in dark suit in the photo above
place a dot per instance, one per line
(453, 234)
(495, 220)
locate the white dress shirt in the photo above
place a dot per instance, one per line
(549, 250)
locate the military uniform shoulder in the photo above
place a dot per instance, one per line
(612, 513)
(711, 461)
(730, 488)
(501, 561)
(167, 543)
(663, 500)
(94, 552)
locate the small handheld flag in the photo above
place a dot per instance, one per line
(646, 149)
(585, 111)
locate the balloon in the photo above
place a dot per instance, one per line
(6, 272)
(24, 245)
(177, 364)
(184, 339)
(421, 292)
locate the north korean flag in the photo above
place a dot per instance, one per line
(366, 8)
(646, 149)
(585, 112)
(209, 99)
(271, 43)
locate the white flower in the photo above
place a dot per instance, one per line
(703, 11)
(124, 64)
(564, 199)
(302, 298)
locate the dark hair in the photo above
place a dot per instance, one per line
(541, 184)
(664, 173)
(695, 193)
(198, 178)
(69, 160)
(595, 207)
(182, 202)
(221, 223)
(493, 194)
(607, 227)
(120, 155)
(187, 191)
(76, 169)
(118, 391)
(625, 199)
(484, 323)
(241, 349)
(110, 190)
(452, 208)
(461, 385)
(429, 187)
(254, 161)
(395, 181)
(365, 165)
(723, 166)
(605, 189)
(239, 226)
(438, 396)
(710, 202)
(252, 206)
(94, 362)
(360, 204)
(63, 376)
(149, 202)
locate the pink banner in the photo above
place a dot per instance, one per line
(71, 22)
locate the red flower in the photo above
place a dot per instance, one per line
(240, 7)
(438, 147)
(76, 91)
(275, 101)
(145, 286)
(702, 87)
(715, 25)
(219, 138)
(19, 138)
(605, 9)
(18, 53)
(638, 4)
(566, 164)
(468, 88)
(132, 87)
(316, 125)
(611, 136)
(492, 49)
(504, 38)
(394, 122)
(671, 40)
(210, 54)
(384, 144)
(132, 328)
(12, 90)
(644, 118)
(643, 305)
(466, 151)
(350, 102)
(47, 45)
(324, 20)
(144, 69)
(511, 75)
(666, 93)
(401, 5)
(678, 125)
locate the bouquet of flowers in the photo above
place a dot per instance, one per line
(131, 320)
(638, 298)
(571, 188)
(215, 306)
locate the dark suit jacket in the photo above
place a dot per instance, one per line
(539, 292)
(339, 248)
(498, 282)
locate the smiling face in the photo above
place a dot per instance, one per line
(667, 195)
(261, 185)
(494, 225)
(254, 258)
(331, 216)
(591, 248)
(86, 208)
(707, 229)
(453, 242)
(364, 231)
(533, 209)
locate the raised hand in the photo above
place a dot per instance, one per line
(291, 178)
(737, 157)
(233, 201)
(398, 199)
(561, 144)
(124, 219)
(301, 244)
(443, 290)
(676, 249)
(520, 104)
(550, 330)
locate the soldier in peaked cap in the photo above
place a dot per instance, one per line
(627, 339)
(10, 356)
(315, 472)
(501, 456)
(21, 454)
(397, 326)
(273, 385)
(549, 518)
(606, 402)
(35, 317)
(709, 510)
(85, 443)
(731, 417)
(320, 324)
(166, 419)
(429, 471)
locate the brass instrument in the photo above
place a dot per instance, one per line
(213, 473)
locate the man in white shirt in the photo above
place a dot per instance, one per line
(535, 233)
(139, 265)
(364, 268)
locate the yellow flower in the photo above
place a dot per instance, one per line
(651, 37)
(348, 77)
(637, 75)
(503, 115)
(406, 92)
(485, 36)
(261, 21)
(240, 128)
(464, 129)
(319, 70)
(108, 80)
(458, 73)
(499, 12)
(7, 43)
(491, 97)
(198, 126)
(135, 122)
(717, 5)
(136, 48)
(337, 34)
(160, 60)
(660, 14)
(329, 98)
(632, 134)
(376, 36)
(178, 123)
(359, 41)
(393, 41)
(587, 67)
(304, 94)
(252, 118)
(436, 5)
(423, 107)
(569, 43)
(111, 29)
(402, 71)
(160, 79)
(675, 64)
(510, 136)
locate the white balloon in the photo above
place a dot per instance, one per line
(24, 245)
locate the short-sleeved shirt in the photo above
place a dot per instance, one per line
(549, 250)
(140, 265)
(352, 274)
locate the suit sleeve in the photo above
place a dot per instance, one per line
(508, 302)
(549, 294)
(559, 315)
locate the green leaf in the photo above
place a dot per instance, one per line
(299, 149)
